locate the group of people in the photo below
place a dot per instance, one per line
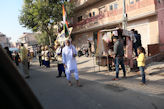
(137, 42)
(65, 55)
(14, 57)
(44, 56)
(22, 56)
(119, 57)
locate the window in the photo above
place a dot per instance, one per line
(159, 1)
(79, 18)
(90, 15)
(137, 0)
(115, 6)
(102, 9)
(131, 1)
(111, 7)
(93, 13)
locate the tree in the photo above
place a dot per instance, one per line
(42, 38)
(42, 15)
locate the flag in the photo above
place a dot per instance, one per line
(65, 23)
(61, 36)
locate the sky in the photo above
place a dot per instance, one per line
(9, 22)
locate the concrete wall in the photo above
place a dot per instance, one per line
(4, 41)
(81, 39)
(148, 28)
(154, 30)
(142, 26)
(160, 10)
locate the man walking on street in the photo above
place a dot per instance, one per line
(69, 53)
(24, 59)
(119, 56)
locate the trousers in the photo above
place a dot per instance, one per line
(47, 64)
(142, 71)
(76, 74)
(61, 69)
(119, 61)
(25, 67)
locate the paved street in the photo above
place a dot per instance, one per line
(98, 91)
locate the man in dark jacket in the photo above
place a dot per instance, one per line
(138, 41)
(119, 56)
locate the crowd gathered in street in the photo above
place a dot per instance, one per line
(65, 55)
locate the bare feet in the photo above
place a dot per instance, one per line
(69, 83)
(78, 84)
(141, 83)
(115, 79)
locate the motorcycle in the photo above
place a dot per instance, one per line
(83, 51)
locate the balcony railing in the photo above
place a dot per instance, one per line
(112, 14)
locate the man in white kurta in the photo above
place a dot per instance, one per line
(68, 54)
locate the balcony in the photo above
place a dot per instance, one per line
(138, 10)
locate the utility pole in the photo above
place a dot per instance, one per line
(124, 19)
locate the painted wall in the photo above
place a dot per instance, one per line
(80, 40)
(110, 17)
(147, 25)
(160, 10)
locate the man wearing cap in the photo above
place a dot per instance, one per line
(68, 54)
(119, 55)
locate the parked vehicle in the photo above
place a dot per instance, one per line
(80, 53)
(83, 51)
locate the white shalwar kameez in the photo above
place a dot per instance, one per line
(70, 61)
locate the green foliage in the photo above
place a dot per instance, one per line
(42, 38)
(42, 15)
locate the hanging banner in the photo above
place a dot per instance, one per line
(61, 36)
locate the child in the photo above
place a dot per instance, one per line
(60, 61)
(141, 63)
(43, 55)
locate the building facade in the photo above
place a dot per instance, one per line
(160, 11)
(4, 40)
(29, 41)
(94, 15)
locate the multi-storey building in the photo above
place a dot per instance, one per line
(29, 41)
(94, 15)
(4, 41)
(160, 11)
